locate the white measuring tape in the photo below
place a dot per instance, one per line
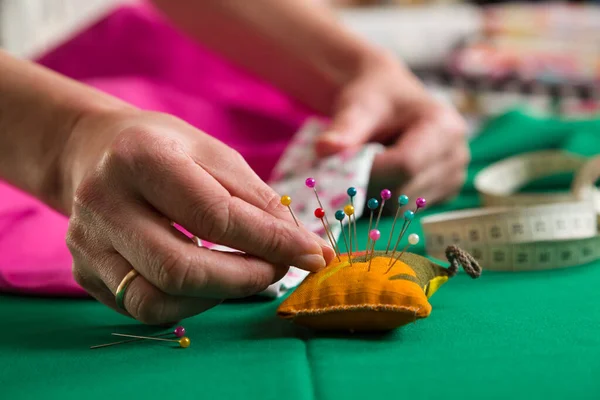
(513, 231)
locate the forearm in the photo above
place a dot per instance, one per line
(38, 109)
(295, 44)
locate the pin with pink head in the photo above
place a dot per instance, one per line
(374, 235)
(421, 203)
(386, 194)
(179, 331)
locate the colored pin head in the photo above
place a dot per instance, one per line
(319, 213)
(374, 235)
(413, 238)
(340, 215)
(421, 202)
(179, 332)
(409, 215)
(403, 200)
(349, 210)
(286, 200)
(184, 342)
(372, 204)
(386, 194)
(351, 191)
(310, 182)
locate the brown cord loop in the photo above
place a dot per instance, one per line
(456, 256)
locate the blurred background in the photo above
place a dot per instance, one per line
(483, 56)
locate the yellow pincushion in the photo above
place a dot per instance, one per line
(375, 297)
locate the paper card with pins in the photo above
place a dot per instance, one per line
(368, 290)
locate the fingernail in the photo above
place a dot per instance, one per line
(309, 262)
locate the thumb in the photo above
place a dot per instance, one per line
(351, 126)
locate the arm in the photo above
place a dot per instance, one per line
(296, 45)
(38, 109)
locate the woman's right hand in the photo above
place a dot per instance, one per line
(129, 174)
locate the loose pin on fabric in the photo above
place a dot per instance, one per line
(178, 332)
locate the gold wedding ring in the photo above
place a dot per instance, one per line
(122, 288)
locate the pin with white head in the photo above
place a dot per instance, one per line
(287, 201)
(413, 239)
(408, 217)
(402, 201)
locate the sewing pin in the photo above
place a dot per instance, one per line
(385, 195)
(413, 239)
(372, 204)
(408, 217)
(183, 341)
(320, 213)
(311, 183)
(340, 215)
(374, 235)
(286, 201)
(349, 211)
(352, 192)
(179, 332)
(402, 201)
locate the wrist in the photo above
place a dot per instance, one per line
(90, 132)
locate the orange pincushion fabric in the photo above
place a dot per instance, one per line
(360, 298)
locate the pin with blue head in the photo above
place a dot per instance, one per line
(408, 217)
(372, 205)
(340, 215)
(351, 193)
(402, 201)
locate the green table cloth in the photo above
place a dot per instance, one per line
(530, 335)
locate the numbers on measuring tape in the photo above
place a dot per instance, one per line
(499, 256)
(495, 232)
(455, 238)
(586, 251)
(474, 235)
(566, 255)
(477, 253)
(544, 257)
(561, 224)
(522, 258)
(517, 229)
(540, 226)
(439, 239)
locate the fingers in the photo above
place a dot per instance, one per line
(429, 160)
(176, 266)
(353, 124)
(169, 179)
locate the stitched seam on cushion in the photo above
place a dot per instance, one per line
(355, 307)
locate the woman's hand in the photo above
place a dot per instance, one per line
(427, 153)
(133, 174)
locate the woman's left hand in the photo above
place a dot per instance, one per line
(426, 153)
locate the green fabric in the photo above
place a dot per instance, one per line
(504, 336)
